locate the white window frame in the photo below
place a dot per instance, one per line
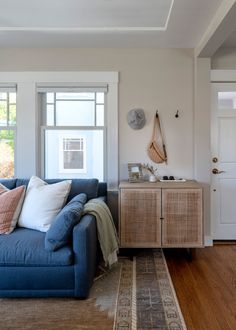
(61, 153)
(10, 88)
(27, 151)
(71, 88)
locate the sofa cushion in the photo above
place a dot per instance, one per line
(9, 183)
(86, 186)
(10, 206)
(59, 234)
(42, 203)
(25, 247)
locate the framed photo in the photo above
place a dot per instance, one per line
(135, 172)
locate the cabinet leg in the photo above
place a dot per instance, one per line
(191, 253)
(127, 253)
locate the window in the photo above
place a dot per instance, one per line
(36, 151)
(72, 154)
(7, 131)
(73, 133)
(227, 100)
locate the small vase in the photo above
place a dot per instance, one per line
(152, 178)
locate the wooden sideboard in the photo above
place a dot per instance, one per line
(161, 214)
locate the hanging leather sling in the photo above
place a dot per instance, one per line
(156, 148)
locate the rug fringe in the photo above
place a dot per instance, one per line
(117, 296)
(134, 306)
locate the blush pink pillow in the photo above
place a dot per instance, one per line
(10, 207)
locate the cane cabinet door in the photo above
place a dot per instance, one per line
(140, 224)
(182, 218)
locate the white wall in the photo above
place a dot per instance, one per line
(224, 59)
(163, 79)
(149, 79)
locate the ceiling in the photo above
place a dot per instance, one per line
(105, 23)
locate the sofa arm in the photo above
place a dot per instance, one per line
(85, 254)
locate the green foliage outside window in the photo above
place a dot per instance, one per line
(6, 153)
(7, 118)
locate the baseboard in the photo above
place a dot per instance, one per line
(225, 242)
(208, 241)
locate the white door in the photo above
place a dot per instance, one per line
(223, 152)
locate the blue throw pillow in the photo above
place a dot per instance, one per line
(60, 232)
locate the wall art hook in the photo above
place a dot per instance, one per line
(177, 114)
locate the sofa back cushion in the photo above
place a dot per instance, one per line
(86, 186)
(60, 232)
(10, 206)
(42, 203)
(10, 183)
(78, 186)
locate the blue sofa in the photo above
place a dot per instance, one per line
(28, 270)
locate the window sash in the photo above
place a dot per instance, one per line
(79, 141)
(50, 109)
(8, 107)
(99, 118)
(8, 88)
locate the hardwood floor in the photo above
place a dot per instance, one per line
(205, 286)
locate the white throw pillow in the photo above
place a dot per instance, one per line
(42, 203)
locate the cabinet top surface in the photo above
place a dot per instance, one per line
(158, 184)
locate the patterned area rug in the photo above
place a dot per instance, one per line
(146, 297)
(136, 294)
